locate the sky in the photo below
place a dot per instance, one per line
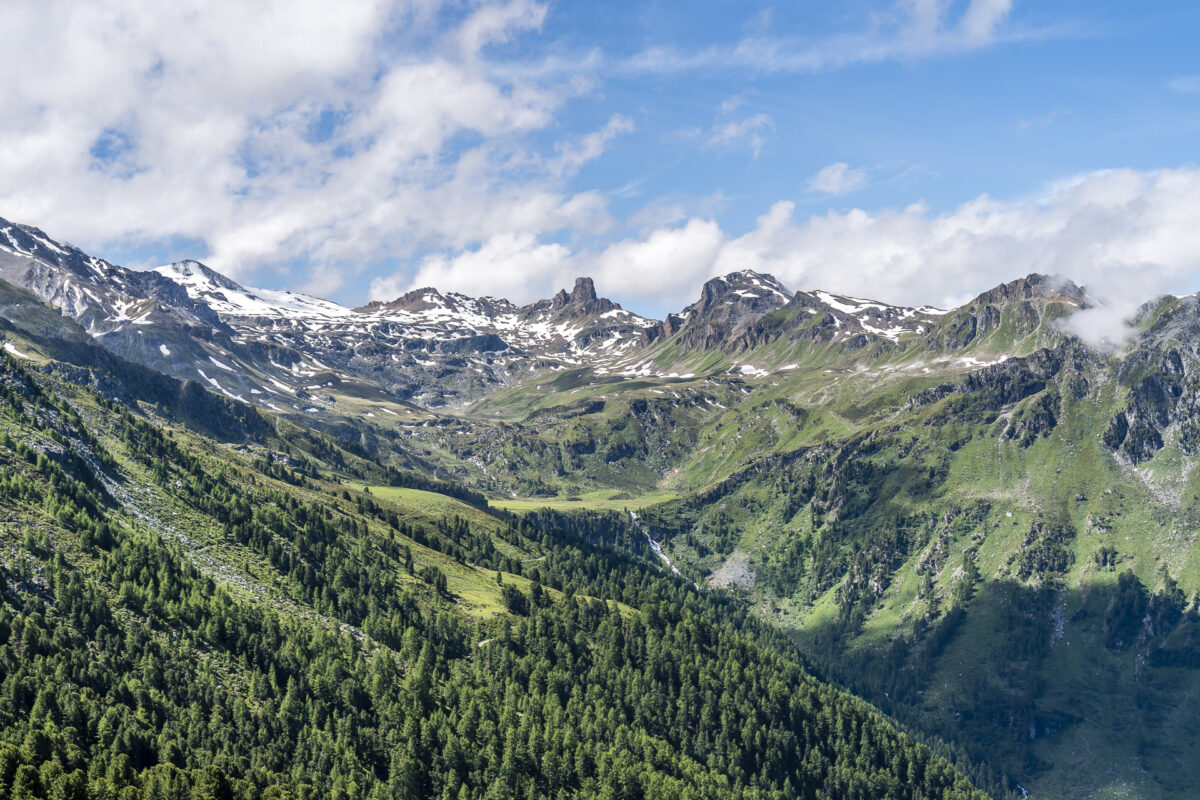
(914, 152)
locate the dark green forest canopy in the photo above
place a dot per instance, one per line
(140, 661)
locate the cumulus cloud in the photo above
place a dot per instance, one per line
(514, 266)
(838, 178)
(1124, 234)
(283, 132)
(1127, 236)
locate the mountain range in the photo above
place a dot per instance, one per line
(968, 517)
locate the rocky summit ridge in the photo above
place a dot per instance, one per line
(430, 348)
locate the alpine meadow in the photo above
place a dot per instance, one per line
(722, 402)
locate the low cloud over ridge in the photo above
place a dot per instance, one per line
(1127, 235)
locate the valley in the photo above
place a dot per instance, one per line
(966, 517)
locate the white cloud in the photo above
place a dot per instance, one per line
(1049, 118)
(573, 155)
(497, 23)
(981, 19)
(515, 266)
(1187, 84)
(748, 131)
(837, 179)
(282, 131)
(912, 29)
(1129, 236)
(663, 265)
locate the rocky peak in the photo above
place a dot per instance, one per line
(1035, 286)
(581, 301)
(419, 300)
(90, 290)
(728, 305)
(29, 241)
(1024, 305)
(584, 291)
(426, 298)
(745, 287)
(194, 273)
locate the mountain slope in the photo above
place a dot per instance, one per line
(1005, 557)
(181, 618)
(977, 522)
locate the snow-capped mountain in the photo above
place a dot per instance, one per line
(295, 353)
(101, 296)
(881, 319)
(289, 351)
(431, 348)
(727, 306)
(231, 299)
(745, 310)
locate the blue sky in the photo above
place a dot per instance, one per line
(917, 151)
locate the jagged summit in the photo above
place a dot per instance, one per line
(584, 292)
(999, 317)
(191, 272)
(742, 286)
(1034, 286)
(428, 299)
(728, 305)
(582, 296)
(27, 240)
(581, 302)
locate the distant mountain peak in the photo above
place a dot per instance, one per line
(728, 305)
(226, 296)
(581, 301)
(420, 299)
(745, 283)
(192, 272)
(1034, 286)
(584, 291)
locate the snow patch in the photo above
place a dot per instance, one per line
(11, 349)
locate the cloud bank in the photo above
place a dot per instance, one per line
(283, 132)
(1128, 236)
(329, 140)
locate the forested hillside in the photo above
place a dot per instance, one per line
(184, 618)
(971, 518)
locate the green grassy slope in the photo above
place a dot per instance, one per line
(187, 618)
(984, 527)
(977, 560)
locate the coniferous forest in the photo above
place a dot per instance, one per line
(185, 619)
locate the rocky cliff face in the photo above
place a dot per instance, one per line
(727, 306)
(1015, 309)
(280, 349)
